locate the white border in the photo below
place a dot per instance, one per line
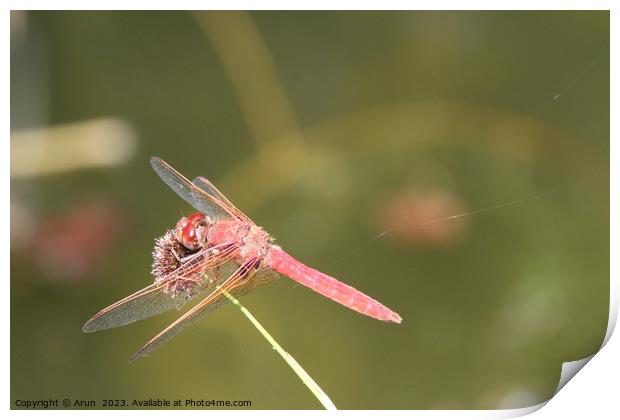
(595, 390)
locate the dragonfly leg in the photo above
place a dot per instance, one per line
(177, 256)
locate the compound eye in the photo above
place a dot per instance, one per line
(191, 231)
(197, 219)
(181, 224)
(185, 233)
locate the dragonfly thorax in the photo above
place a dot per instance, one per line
(192, 231)
(255, 242)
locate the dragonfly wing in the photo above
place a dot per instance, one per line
(263, 276)
(145, 303)
(157, 298)
(233, 284)
(199, 199)
(207, 186)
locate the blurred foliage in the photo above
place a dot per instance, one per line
(506, 113)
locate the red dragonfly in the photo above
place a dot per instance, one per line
(217, 249)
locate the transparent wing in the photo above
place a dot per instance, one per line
(242, 280)
(153, 299)
(263, 276)
(199, 199)
(145, 303)
(206, 185)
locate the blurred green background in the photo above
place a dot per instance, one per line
(352, 138)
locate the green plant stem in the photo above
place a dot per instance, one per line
(299, 371)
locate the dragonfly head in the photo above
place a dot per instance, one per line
(192, 231)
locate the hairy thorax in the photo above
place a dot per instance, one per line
(251, 240)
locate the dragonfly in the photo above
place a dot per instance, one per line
(215, 250)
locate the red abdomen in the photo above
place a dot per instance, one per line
(328, 286)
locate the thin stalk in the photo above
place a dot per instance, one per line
(299, 371)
